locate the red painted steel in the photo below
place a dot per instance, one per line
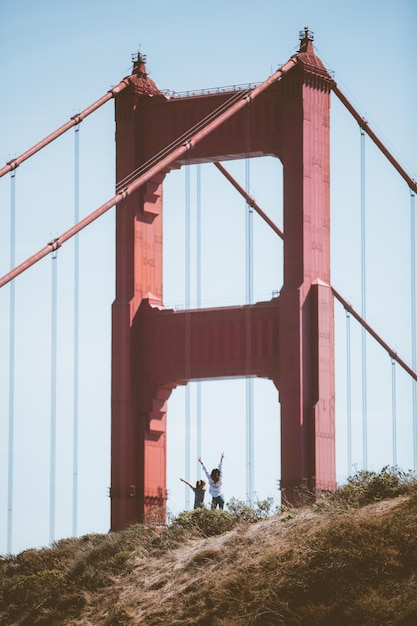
(171, 347)
(306, 378)
(289, 340)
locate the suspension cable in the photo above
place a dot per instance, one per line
(348, 394)
(74, 121)
(249, 301)
(413, 319)
(12, 319)
(198, 289)
(52, 466)
(394, 412)
(363, 306)
(187, 329)
(76, 334)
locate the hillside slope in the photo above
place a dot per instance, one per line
(327, 564)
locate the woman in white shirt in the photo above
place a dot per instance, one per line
(215, 480)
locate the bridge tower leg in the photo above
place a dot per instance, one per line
(138, 453)
(306, 337)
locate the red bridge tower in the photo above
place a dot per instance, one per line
(288, 339)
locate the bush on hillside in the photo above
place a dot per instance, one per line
(365, 487)
(244, 512)
(204, 522)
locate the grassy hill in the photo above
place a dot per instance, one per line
(349, 559)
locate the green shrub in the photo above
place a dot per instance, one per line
(365, 487)
(204, 522)
(244, 512)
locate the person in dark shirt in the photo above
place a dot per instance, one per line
(199, 492)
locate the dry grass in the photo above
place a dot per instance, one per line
(343, 561)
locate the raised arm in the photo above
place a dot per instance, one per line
(204, 468)
(187, 483)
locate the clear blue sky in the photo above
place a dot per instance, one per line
(59, 57)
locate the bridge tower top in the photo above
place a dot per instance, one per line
(139, 64)
(306, 52)
(306, 40)
(143, 84)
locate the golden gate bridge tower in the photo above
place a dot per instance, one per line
(288, 339)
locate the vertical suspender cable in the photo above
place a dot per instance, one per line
(198, 287)
(363, 310)
(11, 365)
(53, 397)
(413, 320)
(187, 329)
(76, 333)
(249, 381)
(394, 412)
(348, 396)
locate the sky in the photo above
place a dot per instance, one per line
(57, 58)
